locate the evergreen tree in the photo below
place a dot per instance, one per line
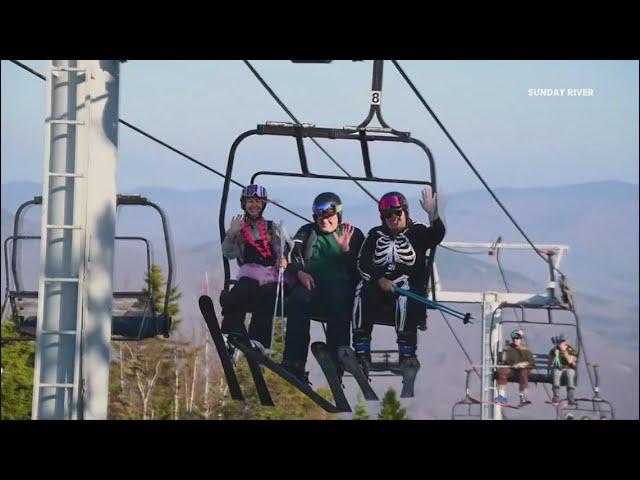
(391, 408)
(17, 375)
(361, 412)
(158, 285)
(142, 375)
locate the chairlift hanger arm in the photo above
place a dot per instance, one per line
(37, 200)
(336, 177)
(376, 96)
(308, 130)
(311, 131)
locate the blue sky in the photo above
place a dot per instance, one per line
(201, 106)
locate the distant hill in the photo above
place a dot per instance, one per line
(599, 221)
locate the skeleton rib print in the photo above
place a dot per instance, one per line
(391, 251)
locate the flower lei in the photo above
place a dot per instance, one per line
(264, 250)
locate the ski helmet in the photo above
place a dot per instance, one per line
(327, 204)
(257, 191)
(392, 202)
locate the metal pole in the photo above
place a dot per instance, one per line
(490, 340)
(100, 233)
(71, 375)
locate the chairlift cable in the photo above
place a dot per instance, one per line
(475, 171)
(466, 354)
(462, 251)
(506, 285)
(170, 147)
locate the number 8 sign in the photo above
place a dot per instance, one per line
(375, 97)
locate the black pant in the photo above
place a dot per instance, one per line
(376, 305)
(248, 296)
(330, 300)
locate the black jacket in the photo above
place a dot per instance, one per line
(305, 238)
(403, 254)
(562, 359)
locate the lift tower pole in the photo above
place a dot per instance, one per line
(71, 376)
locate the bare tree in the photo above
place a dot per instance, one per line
(176, 398)
(145, 384)
(121, 368)
(207, 409)
(193, 379)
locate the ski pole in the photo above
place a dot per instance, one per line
(281, 281)
(466, 318)
(275, 311)
(439, 306)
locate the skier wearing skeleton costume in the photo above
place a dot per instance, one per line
(394, 255)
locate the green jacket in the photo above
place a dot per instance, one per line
(556, 359)
(512, 355)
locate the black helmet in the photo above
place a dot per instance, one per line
(327, 204)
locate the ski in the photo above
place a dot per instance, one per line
(209, 314)
(349, 361)
(563, 403)
(320, 351)
(252, 354)
(258, 378)
(410, 367)
(491, 402)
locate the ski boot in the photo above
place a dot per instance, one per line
(231, 350)
(524, 401)
(363, 353)
(258, 346)
(556, 395)
(409, 365)
(571, 396)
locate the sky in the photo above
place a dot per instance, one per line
(514, 139)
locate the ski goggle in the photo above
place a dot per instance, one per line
(391, 212)
(516, 336)
(254, 191)
(391, 202)
(327, 209)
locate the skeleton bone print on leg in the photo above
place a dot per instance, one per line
(390, 251)
(401, 302)
(400, 310)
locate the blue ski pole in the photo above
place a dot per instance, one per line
(465, 317)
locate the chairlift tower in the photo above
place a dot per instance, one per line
(490, 302)
(71, 375)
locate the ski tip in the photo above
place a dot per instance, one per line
(205, 300)
(317, 345)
